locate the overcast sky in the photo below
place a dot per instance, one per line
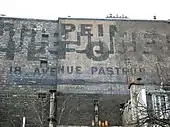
(52, 9)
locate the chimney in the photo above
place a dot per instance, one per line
(136, 82)
(52, 119)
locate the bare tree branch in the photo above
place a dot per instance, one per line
(63, 108)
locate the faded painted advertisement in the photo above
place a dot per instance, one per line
(83, 59)
(115, 50)
(91, 45)
(91, 53)
(25, 45)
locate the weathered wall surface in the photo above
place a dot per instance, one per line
(93, 55)
(115, 50)
(26, 45)
(72, 109)
(31, 53)
(83, 56)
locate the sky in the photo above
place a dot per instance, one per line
(52, 9)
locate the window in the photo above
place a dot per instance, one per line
(149, 105)
(43, 63)
(157, 106)
(45, 37)
(163, 106)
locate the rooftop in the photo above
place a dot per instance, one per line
(98, 19)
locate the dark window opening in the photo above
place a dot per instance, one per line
(45, 37)
(43, 63)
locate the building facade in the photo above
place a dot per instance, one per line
(148, 106)
(84, 59)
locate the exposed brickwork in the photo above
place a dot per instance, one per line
(84, 59)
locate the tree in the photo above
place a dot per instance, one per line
(147, 109)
